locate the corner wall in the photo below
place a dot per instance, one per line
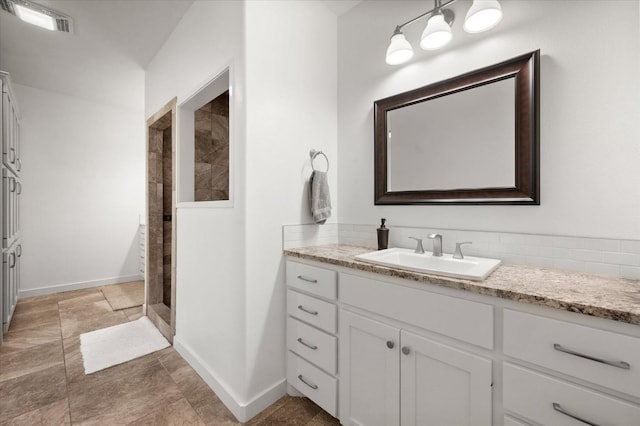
(230, 301)
(83, 191)
(590, 104)
(210, 259)
(291, 108)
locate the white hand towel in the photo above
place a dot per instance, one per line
(319, 198)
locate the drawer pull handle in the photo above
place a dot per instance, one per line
(307, 310)
(309, 345)
(309, 280)
(618, 364)
(303, 380)
(559, 409)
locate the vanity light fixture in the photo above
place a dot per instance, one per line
(482, 16)
(38, 15)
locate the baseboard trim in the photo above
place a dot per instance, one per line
(76, 286)
(243, 411)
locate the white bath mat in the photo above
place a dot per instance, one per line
(121, 343)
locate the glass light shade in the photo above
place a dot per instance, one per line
(34, 17)
(399, 50)
(482, 16)
(436, 34)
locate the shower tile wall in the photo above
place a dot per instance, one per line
(167, 183)
(212, 150)
(154, 225)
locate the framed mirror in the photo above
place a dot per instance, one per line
(471, 139)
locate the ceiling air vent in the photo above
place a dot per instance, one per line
(38, 15)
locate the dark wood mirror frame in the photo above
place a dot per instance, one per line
(525, 70)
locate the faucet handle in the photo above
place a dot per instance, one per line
(419, 248)
(458, 253)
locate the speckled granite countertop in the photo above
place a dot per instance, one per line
(611, 298)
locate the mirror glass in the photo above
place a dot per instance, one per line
(471, 139)
(471, 144)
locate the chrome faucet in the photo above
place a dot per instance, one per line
(437, 244)
(419, 249)
(458, 253)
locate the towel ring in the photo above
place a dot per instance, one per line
(313, 154)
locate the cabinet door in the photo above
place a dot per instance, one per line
(442, 385)
(16, 207)
(8, 291)
(16, 277)
(8, 131)
(369, 373)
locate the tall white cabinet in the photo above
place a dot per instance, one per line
(10, 202)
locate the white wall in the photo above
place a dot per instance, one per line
(210, 292)
(590, 109)
(230, 273)
(83, 191)
(291, 108)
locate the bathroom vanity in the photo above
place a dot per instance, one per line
(374, 345)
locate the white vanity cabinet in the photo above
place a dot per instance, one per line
(393, 376)
(312, 356)
(414, 354)
(606, 360)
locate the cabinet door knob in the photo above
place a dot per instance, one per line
(406, 350)
(390, 344)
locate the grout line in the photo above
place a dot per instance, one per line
(64, 362)
(178, 386)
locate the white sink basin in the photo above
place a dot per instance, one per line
(470, 268)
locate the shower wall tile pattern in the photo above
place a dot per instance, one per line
(211, 169)
(167, 193)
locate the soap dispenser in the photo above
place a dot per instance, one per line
(383, 235)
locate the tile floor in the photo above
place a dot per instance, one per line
(42, 378)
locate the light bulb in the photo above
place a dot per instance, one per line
(482, 16)
(436, 34)
(399, 50)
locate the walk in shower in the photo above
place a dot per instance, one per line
(160, 283)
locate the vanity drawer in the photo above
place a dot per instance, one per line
(317, 385)
(533, 395)
(318, 281)
(314, 311)
(312, 344)
(464, 320)
(532, 338)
